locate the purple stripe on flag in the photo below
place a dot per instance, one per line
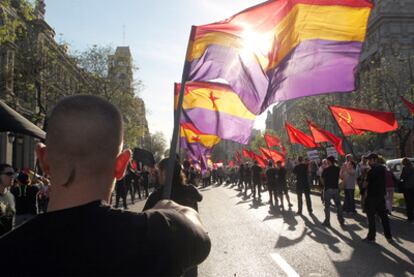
(196, 151)
(314, 67)
(220, 124)
(242, 72)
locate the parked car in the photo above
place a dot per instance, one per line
(396, 167)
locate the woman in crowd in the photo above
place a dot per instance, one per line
(7, 206)
(349, 178)
(181, 193)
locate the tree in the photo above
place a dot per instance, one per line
(383, 81)
(95, 61)
(156, 144)
(13, 17)
(36, 71)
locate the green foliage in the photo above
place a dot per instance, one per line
(13, 18)
(156, 144)
(95, 61)
(257, 141)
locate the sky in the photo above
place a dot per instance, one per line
(157, 32)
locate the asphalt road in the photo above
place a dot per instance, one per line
(249, 241)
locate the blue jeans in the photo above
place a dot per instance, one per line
(333, 194)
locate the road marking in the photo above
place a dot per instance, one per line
(284, 265)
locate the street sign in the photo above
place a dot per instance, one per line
(331, 151)
(313, 155)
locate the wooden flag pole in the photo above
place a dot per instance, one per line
(177, 116)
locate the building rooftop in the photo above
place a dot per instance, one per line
(123, 51)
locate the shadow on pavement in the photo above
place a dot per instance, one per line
(256, 204)
(284, 242)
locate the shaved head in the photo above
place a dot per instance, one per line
(83, 132)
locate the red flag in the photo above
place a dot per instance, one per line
(231, 164)
(297, 136)
(238, 158)
(322, 135)
(272, 140)
(260, 160)
(356, 121)
(247, 154)
(273, 155)
(266, 153)
(409, 105)
(277, 156)
(284, 151)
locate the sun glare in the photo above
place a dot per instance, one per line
(259, 44)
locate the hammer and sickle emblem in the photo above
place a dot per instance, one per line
(345, 115)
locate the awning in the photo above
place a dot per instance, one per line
(12, 121)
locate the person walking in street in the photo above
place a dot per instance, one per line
(281, 183)
(375, 201)
(407, 180)
(7, 205)
(25, 196)
(121, 191)
(324, 164)
(257, 182)
(302, 185)
(362, 172)
(349, 179)
(313, 173)
(145, 180)
(330, 180)
(129, 182)
(271, 175)
(241, 177)
(390, 183)
(247, 179)
(80, 234)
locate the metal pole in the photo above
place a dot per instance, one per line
(177, 113)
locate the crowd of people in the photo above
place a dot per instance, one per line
(336, 183)
(74, 230)
(23, 195)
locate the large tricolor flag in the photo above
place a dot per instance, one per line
(322, 135)
(215, 109)
(282, 49)
(354, 121)
(297, 136)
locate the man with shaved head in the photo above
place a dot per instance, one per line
(80, 234)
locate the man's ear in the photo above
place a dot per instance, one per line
(42, 156)
(121, 163)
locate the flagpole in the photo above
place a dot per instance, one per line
(177, 116)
